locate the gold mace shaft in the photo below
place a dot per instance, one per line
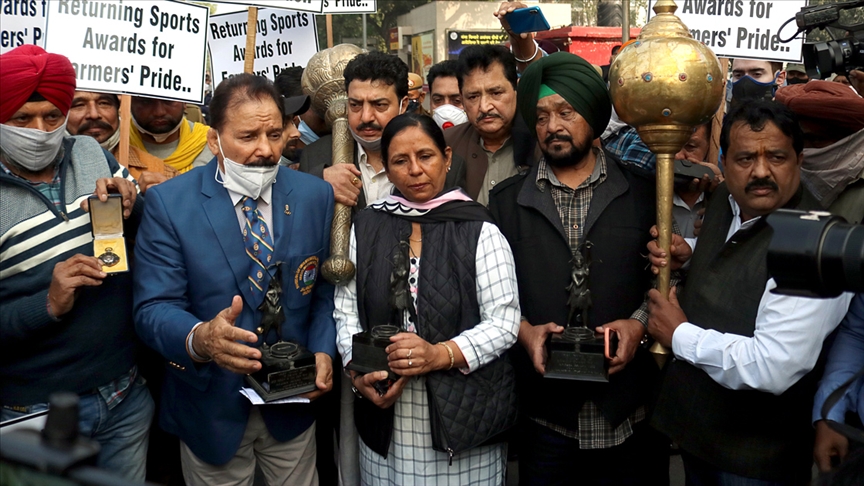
(665, 194)
(339, 269)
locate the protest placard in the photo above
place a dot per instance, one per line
(22, 22)
(743, 28)
(314, 6)
(284, 39)
(350, 6)
(146, 47)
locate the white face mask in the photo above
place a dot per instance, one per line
(31, 148)
(111, 141)
(159, 137)
(368, 145)
(245, 180)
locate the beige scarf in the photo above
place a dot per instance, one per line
(827, 171)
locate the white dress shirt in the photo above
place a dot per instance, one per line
(376, 185)
(265, 210)
(785, 344)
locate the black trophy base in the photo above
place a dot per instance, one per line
(368, 350)
(287, 369)
(577, 354)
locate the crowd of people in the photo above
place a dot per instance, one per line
(481, 208)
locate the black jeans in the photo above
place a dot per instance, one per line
(548, 458)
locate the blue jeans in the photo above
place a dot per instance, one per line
(699, 473)
(122, 431)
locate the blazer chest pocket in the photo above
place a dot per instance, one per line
(300, 274)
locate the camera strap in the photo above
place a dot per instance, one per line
(850, 432)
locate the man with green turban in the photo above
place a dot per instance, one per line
(579, 207)
(572, 77)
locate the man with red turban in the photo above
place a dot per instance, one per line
(831, 115)
(65, 326)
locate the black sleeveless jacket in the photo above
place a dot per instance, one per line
(465, 410)
(620, 216)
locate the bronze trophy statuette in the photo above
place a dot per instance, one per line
(578, 353)
(287, 368)
(664, 85)
(368, 348)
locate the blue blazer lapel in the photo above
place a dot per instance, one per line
(220, 212)
(283, 217)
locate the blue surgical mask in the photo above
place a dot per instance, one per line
(307, 136)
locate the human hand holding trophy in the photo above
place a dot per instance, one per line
(218, 338)
(369, 348)
(579, 353)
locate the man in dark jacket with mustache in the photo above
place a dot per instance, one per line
(495, 143)
(737, 398)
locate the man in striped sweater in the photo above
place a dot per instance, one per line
(64, 324)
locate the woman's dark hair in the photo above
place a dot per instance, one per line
(377, 66)
(482, 57)
(237, 89)
(756, 114)
(408, 120)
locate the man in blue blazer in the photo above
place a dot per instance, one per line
(205, 252)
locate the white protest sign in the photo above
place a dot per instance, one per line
(350, 6)
(283, 39)
(22, 22)
(147, 47)
(743, 28)
(314, 6)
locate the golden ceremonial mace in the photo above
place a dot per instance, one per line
(324, 82)
(665, 84)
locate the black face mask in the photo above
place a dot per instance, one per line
(792, 81)
(748, 89)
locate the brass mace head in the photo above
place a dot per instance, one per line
(323, 80)
(666, 83)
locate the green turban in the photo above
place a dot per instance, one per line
(575, 80)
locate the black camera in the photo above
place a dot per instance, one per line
(56, 455)
(837, 55)
(815, 254)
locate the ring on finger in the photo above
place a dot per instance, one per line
(355, 180)
(410, 364)
(409, 352)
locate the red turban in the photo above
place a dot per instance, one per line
(29, 69)
(826, 108)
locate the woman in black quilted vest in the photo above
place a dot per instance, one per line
(440, 408)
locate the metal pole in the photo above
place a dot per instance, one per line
(625, 21)
(365, 43)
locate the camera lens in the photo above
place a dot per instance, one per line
(842, 258)
(815, 254)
